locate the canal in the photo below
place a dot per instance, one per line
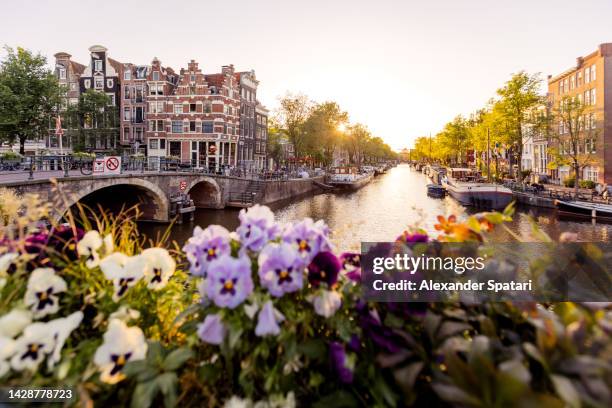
(384, 208)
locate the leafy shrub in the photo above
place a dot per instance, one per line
(10, 156)
(590, 184)
(569, 181)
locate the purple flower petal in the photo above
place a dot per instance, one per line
(212, 331)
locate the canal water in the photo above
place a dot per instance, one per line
(384, 208)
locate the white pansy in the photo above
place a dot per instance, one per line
(88, 246)
(251, 310)
(31, 348)
(42, 290)
(7, 349)
(12, 323)
(125, 271)
(125, 314)
(60, 329)
(237, 402)
(121, 344)
(326, 303)
(109, 244)
(6, 261)
(160, 267)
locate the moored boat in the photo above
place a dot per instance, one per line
(464, 185)
(350, 177)
(585, 209)
(436, 191)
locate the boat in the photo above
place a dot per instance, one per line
(382, 169)
(349, 177)
(436, 191)
(585, 209)
(465, 185)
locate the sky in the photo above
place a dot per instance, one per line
(402, 67)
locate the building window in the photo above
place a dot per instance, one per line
(572, 82)
(177, 126)
(99, 83)
(593, 96)
(111, 98)
(126, 92)
(154, 144)
(593, 73)
(207, 107)
(592, 120)
(109, 83)
(87, 83)
(162, 144)
(207, 127)
(126, 114)
(156, 75)
(127, 75)
(587, 75)
(62, 73)
(192, 107)
(192, 126)
(178, 108)
(566, 85)
(579, 78)
(587, 97)
(126, 133)
(98, 65)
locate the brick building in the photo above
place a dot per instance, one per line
(248, 102)
(193, 116)
(261, 137)
(590, 81)
(196, 117)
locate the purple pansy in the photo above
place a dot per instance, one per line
(205, 246)
(324, 268)
(229, 281)
(268, 319)
(351, 265)
(308, 237)
(212, 330)
(281, 269)
(342, 363)
(412, 237)
(257, 227)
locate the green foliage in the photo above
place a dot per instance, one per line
(590, 184)
(569, 181)
(29, 94)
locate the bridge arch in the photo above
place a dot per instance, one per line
(114, 193)
(205, 192)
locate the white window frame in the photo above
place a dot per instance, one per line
(98, 62)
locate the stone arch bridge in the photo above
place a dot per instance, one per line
(151, 191)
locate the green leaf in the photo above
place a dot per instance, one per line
(177, 358)
(155, 353)
(234, 336)
(168, 383)
(141, 370)
(314, 349)
(566, 390)
(144, 394)
(339, 399)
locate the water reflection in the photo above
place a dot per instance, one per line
(384, 208)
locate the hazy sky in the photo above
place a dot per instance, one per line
(402, 67)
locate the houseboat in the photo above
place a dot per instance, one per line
(584, 209)
(466, 186)
(349, 177)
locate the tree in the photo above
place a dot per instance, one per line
(323, 130)
(275, 148)
(453, 141)
(575, 136)
(356, 141)
(292, 114)
(93, 121)
(29, 93)
(518, 96)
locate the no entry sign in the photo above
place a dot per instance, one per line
(107, 165)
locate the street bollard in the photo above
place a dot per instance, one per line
(31, 176)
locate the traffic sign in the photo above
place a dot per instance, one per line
(107, 165)
(183, 185)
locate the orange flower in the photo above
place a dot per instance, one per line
(446, 225)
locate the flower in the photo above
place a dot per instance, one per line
(281, 269)
(125, 314)
(60, 330)
(160, 266)
(229, 281)
(446, 225)
(212, 330)
(257, 227)
(326, 303)
(6, 261)
(267, 324)
(7, 349)
(343, 364)
(324, 268)
(351, 265)
(308, 237)
(121, 344)
(12, 323)
(42, 290)
(237, 402)
(88, 246)
(205, 246)
(412, 237)
(125, 271)
(32, 347)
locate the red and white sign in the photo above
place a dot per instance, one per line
(107, 165)
(183, 185)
